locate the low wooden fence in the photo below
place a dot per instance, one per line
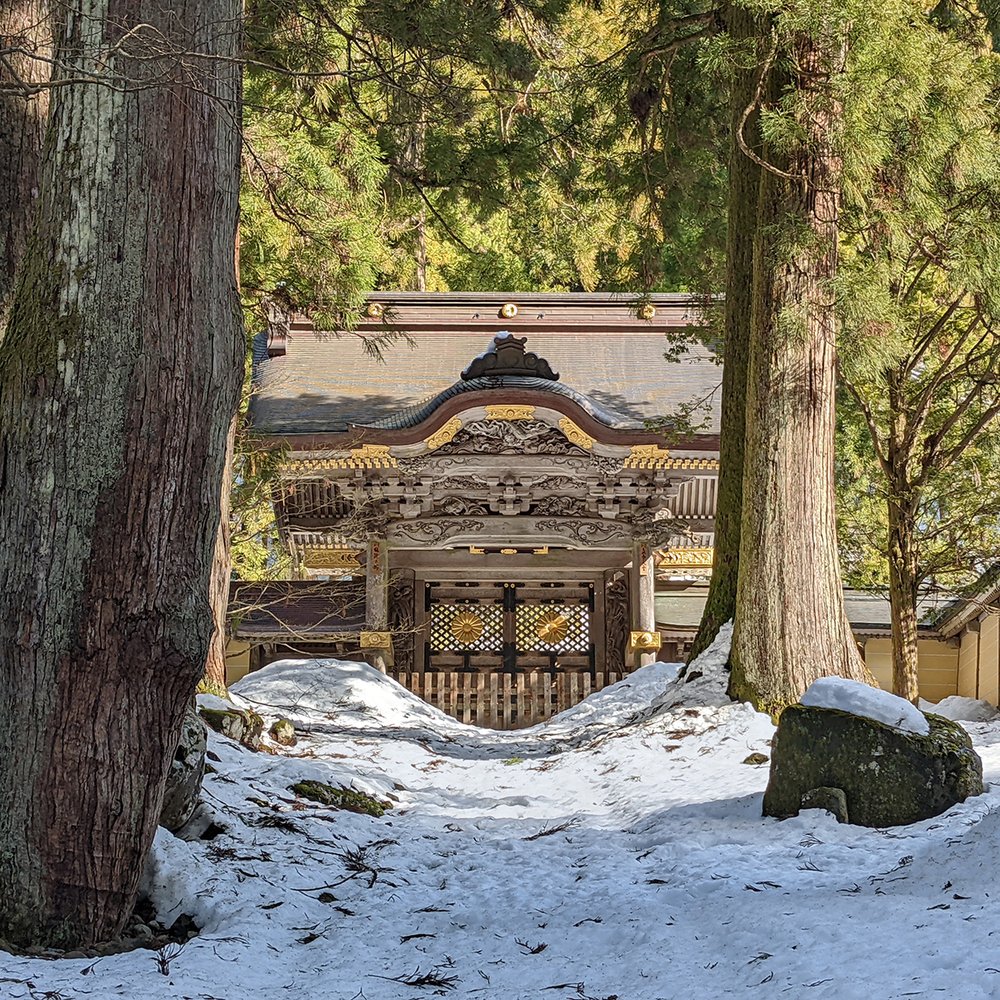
(500, 700)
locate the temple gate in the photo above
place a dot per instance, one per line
(507, 528)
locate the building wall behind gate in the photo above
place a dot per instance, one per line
(937, 672)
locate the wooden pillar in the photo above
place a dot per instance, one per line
(644, 640)
(376, 642)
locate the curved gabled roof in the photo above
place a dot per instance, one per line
(611, 362)
(412, 415)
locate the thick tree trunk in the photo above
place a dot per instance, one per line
(24, 26)
(903, 598)
(222, 565)
(119, 377)
(744, 184)
(790, 622)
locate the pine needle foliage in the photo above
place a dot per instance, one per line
(919, 301)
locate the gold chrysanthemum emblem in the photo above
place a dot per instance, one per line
(552, 627)
(466, 627)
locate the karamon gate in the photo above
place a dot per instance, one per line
(494, 543)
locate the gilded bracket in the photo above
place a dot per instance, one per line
(367, 456)
(686, 558)
(497, 411)
(445, 433)
(576, 435)
(644, 642)
(647, 456)
(342, 559)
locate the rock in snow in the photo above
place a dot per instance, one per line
(889, 776)
(186, 772)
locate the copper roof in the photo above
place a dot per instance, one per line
(601, 347)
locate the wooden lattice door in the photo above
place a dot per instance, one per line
(508, 655)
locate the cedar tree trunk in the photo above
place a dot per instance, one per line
(119, 377)
(790, 623)
(744, 184)
(24, 26)
(903, 598)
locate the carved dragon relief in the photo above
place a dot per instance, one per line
(521, 437)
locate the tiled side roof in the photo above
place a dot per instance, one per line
(866, 612)
(325, 382)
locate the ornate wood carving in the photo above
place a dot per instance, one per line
(583, 532)
(496, 411)
(616, 620)
(522, 437)
(402, 619)
(507, 356)
(432, 532)
(445, 433)
(462, 507)
(576, 434)
(560, 506)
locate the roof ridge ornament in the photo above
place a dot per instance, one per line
(507, 356)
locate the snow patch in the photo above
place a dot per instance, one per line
(350, 692)
(214, 702)
(960, 709)
(867, 702)
(617, 702)
(178, 880)
(706, 680)
(619, 850)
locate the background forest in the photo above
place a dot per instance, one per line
(582, 146)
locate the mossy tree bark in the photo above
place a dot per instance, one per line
(24, 29)
(119, 378)
(790, 625)
(744, 184)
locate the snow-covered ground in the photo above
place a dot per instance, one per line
(617, 851)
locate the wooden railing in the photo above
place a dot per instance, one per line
(500, 700)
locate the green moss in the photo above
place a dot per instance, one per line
(888, 777)
(37, 325)
(340, 798)
(741, 689)
(205, 686)
(282, 731)
(243, 725)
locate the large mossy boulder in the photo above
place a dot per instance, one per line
(888, 777)
(187, 770)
